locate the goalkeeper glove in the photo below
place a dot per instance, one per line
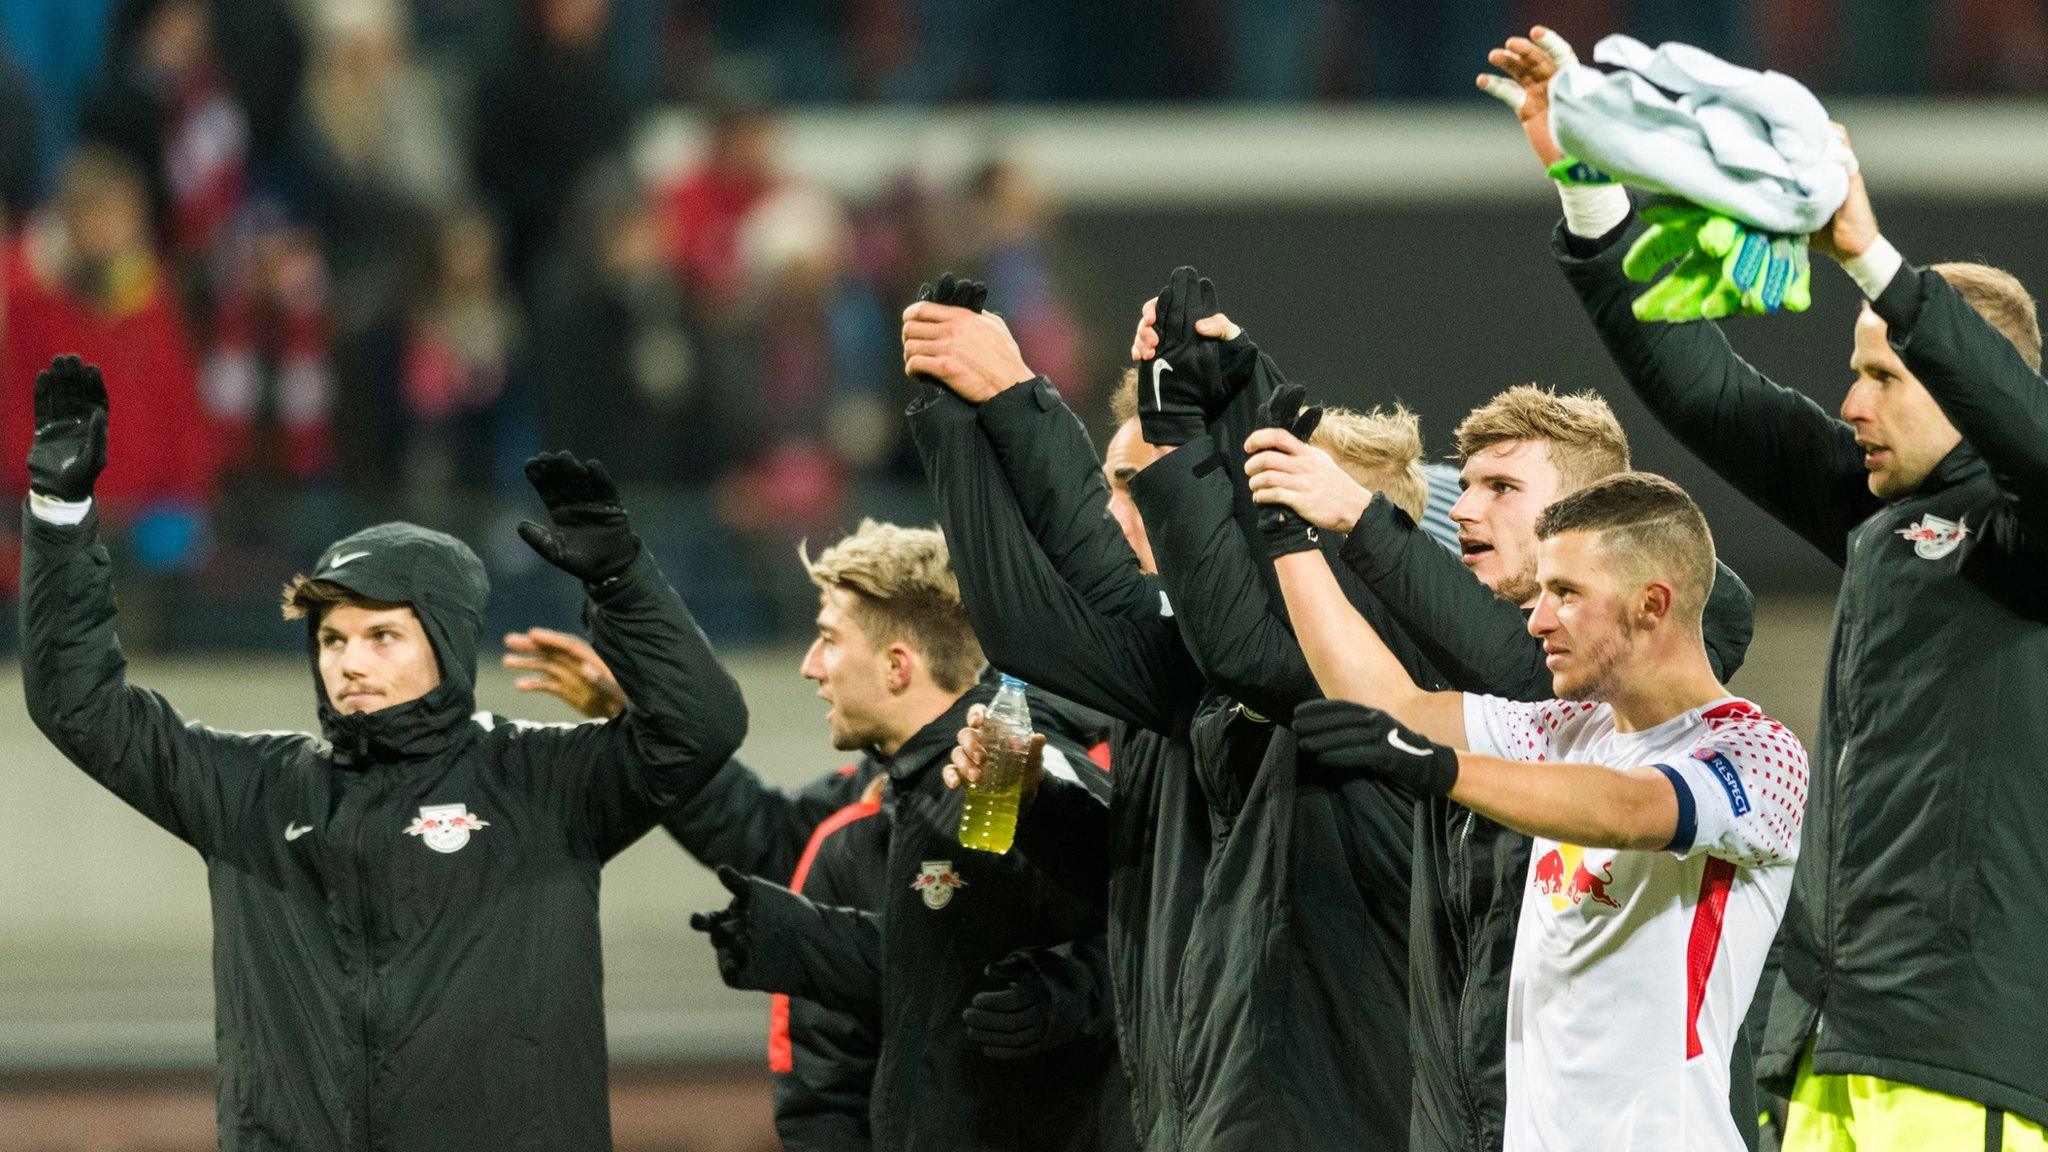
(1724, 267)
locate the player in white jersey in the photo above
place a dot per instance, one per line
(1665, 814)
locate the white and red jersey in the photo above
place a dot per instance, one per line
(1633, 969)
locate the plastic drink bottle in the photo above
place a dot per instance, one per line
(988, 809)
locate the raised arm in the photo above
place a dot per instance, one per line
(1350, 660)
(1030, 621)
(183, 776)
(770, 939)
(614, 781)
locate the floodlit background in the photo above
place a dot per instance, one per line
(350, 260)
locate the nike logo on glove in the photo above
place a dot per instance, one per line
(1158, 366)
(1394, 738)
(294, 831)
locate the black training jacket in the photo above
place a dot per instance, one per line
(406, 951)
(829, 842)
(1911, 948)
(1470, 873)
(948, 912)
(1258, 967)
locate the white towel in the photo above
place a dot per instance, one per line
(1754, 145)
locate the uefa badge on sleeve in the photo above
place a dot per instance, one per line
(445, 827)
(936, 881)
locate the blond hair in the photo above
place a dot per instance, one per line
(1123, 399)
(1382, 448)
(1585, 440)
(2003, 302)
(1651, 527)
(903, 589)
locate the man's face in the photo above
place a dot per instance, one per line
(1582, 617)
(852, 676)
(1128, 454)
(371, 659)
(1901, 429)
(1507, 486)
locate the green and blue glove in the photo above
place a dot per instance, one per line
(1723, 267)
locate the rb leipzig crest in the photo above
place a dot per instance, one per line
(937, 880)
(1934, 537)
(445, 827)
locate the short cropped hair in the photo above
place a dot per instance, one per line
(308, 599)
(2003, 302)
(903, 589)
(1586, 441)
(1649, 527)
(1385, 446)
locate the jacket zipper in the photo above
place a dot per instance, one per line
(1463, 854)
(1846, 707)
(369, 981)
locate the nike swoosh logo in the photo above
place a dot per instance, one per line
(294, 831)
(1158, 366)
(1394, 738)
(338, 561)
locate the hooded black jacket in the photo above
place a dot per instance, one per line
(1911, 943)
(406, 951)
(1257, 929)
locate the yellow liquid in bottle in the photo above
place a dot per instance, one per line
(988, 816)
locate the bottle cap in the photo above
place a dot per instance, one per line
(1010, 681)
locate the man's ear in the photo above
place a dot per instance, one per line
(901, 667)
(1654, 603)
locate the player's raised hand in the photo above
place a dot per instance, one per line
(70, 445)
(588, 536)
(948, 337)
(1853, 228)
(1530, 63)
(1284, 470)
(1145, 342)
(565, 667)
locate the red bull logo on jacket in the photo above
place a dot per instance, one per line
(1934, 537)
(1562, 875)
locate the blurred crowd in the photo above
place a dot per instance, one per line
(356, 259)
(345, 260)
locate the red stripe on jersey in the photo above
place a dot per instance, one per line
(780, 1056)
(1707, 917)
(1100, 754)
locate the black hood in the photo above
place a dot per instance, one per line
(444, 583)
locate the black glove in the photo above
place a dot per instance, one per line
(70, 446)
(1282, 527)
(956, 291)
(1342, 741)
(1037, 1000)
(590, 538)
(730, 930)
(1181, 388)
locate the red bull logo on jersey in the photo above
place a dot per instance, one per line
(936, 881)
(1562, 875)
(445, 827)
(1934, 537)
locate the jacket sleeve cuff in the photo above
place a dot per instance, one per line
(1899, 304)
(1157, 483)
(1019, 405)
(54, 511)
(1873, 270)
(54, 535)
(1378, 536)
(1571, 248)
(629, 583)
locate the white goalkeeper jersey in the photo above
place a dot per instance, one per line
(1633, 969)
